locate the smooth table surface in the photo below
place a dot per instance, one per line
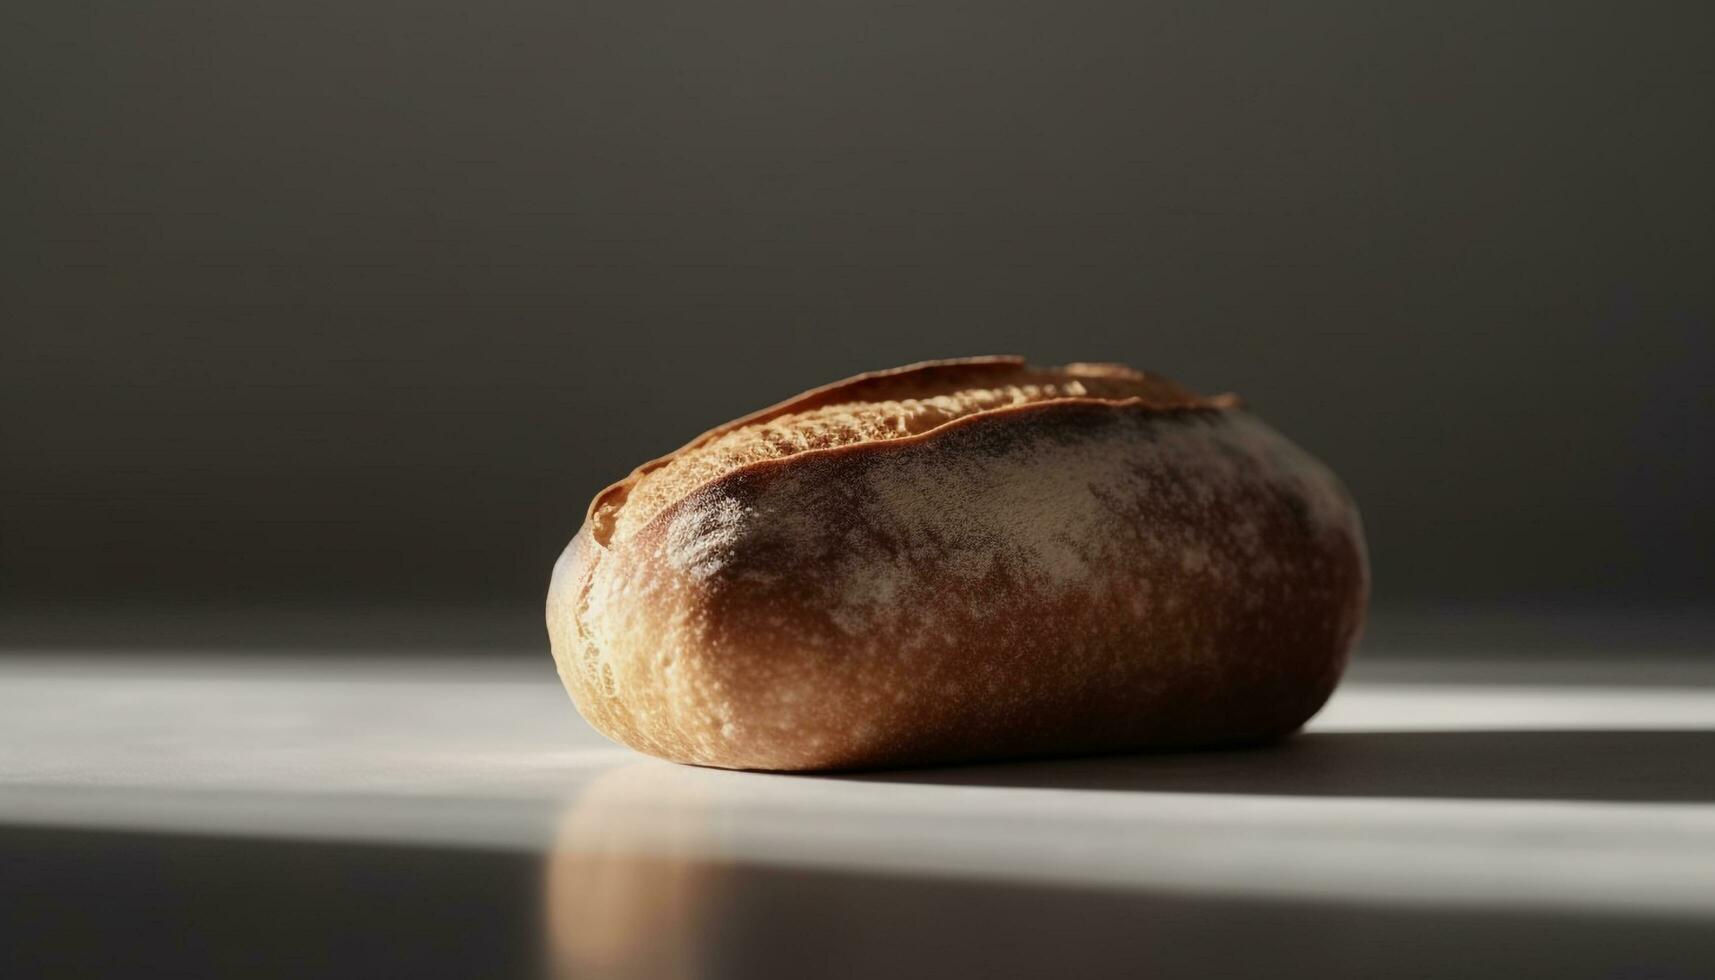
(449, 815)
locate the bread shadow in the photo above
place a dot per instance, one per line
(1614, 766)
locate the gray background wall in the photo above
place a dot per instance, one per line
(361, 301)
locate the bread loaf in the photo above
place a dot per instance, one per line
(962, 560)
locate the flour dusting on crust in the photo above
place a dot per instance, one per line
(698, 537)
(912, 537)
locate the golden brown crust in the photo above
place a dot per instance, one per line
(1070, 575)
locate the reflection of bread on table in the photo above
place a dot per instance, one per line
(630, 890)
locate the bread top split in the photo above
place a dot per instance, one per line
(883, 406)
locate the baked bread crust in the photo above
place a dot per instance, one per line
(1129, 568)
